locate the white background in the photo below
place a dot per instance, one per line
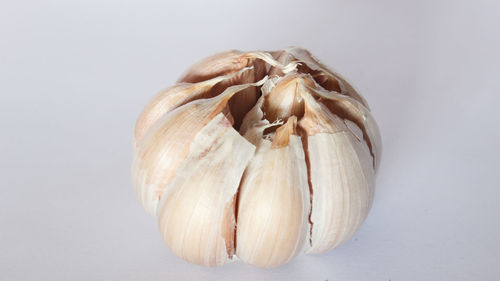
(74, 76)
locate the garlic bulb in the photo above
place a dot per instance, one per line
(256, 155)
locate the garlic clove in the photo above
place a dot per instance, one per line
(341, 175)
(167, 143)
(196, 214)
(284, 99)
(273, 202)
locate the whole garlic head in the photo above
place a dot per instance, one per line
(259, 155)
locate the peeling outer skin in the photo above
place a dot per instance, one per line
(176, 96)
(304, 56)
(253, 120)
(282, 57)
(160, 151)
(269, 85)
(229, 62)
(224, 64)
(269, 59)
(253, 128)
(358, 114)
(260, 115)
(219, 64)
(202, 195)
(255, 117)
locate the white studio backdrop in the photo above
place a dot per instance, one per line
(74, 76)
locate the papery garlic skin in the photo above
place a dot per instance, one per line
(256, 155)
(228, 64)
